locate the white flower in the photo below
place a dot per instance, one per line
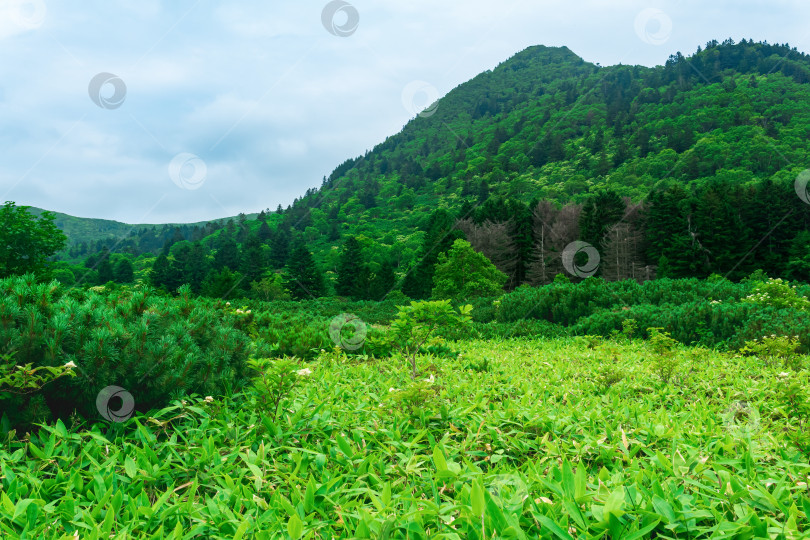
(227, 303)
(784, 374)
(306, 372)
(70, 365)
(208, 399)
(430, 379)
(392, 389)
(248, 312)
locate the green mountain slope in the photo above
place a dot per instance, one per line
(546, 125)
(688, 166)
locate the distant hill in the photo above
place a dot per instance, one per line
(124, 237)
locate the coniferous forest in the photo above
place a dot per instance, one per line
(569, 301)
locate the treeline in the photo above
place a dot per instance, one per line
(721, 226)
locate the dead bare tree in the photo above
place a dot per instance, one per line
(493, 241)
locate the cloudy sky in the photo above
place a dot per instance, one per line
(186, 110)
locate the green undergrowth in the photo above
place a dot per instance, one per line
(568, 438)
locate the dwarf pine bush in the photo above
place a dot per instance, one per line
(152, 346)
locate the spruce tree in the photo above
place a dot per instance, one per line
(279, 247)
(124, 272)
(350, 270)
(253, 263)
(383, 282)
(227, 254)
(302, 277)
(601, 211)
(105, 270)
(159, 274)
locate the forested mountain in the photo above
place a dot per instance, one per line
(684, 169)
(87, 236)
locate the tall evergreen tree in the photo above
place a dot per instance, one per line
(383, 282)
(227, 253)
(124, 271)
(253, 263)
(351, 270)
(195, 268)
(600, 213)
(302, 277)
(279, 248)
(159, 274)
(105, 269)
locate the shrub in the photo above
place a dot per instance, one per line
(417, 323)
(154, 347)
(665, 361)
(777, 293)
(773, 348)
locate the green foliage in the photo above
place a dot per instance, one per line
(270, 287)
(25, 379)
(608, 375)
(774, 349)
(456, 458)
(418, 322)
(153, 346)
(666, 362)
(629, 328)
(223, 284)
(462, 273)
(302, 278)
(26, 241)
(415, 398)
(275, 380)
(351, 271)
(777, 293)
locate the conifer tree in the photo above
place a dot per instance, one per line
(302, 277)
(351, 270)
(124, 272)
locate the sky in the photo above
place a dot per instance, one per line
(188, 110)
